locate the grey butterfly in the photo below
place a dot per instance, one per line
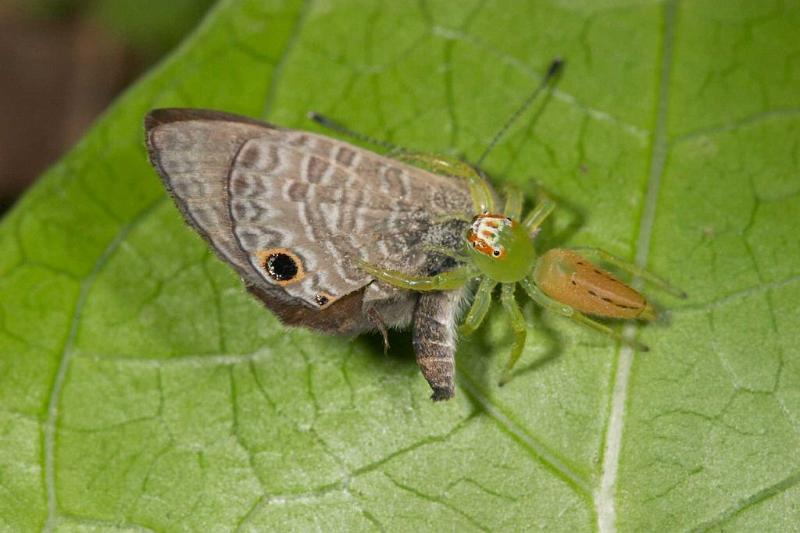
(293, 212)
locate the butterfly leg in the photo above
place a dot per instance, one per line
(482, 197)
(451, 279)
(545, 301)
(517, 324)
(434, 340)
(480, 306)
(633, 269)
(375, 317)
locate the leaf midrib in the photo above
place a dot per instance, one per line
(605, 504)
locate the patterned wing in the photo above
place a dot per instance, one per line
(305, 207)
(193, 151)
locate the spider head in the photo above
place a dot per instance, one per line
(500, 247)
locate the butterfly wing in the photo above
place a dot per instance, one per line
(193, 150)
(317, 206)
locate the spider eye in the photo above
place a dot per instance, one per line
(496, 253)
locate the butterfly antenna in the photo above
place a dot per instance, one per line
(331, 124)
(552, 72)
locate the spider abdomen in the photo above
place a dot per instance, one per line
(573, 280)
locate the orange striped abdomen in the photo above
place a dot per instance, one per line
(573, 280)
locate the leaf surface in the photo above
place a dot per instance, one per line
(141, 388)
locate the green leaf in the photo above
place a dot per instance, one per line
(140, 387)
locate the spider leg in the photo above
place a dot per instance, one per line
(480, 305)
(482, 197)
(545, 301)
(514, 199)
(517, 324)
(452, 279)
(537, 216)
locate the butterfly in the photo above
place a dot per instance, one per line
(295, 214)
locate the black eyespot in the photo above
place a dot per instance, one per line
(496, 253)
(321, 299)
(281, 267)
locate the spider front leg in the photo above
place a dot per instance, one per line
(537, 216)
(452, 279)
(480, 306)
(632, 269)
(514, 200)
(545, 301)
(517, 324)
(482, 197)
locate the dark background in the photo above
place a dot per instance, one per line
(63, 61)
